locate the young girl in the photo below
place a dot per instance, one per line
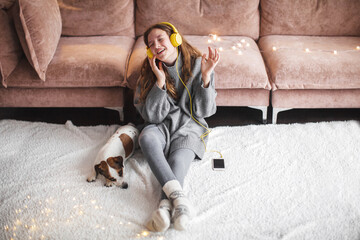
(172, 139)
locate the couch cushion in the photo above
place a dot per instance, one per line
(38, 25)
(232, 72)
(11, 51)
(97, 17)
(291, 67)
(201, 17)
(80, 62)
(310, 17)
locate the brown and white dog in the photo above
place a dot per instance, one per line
(110, 161)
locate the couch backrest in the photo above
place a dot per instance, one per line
(97, 17)
(201, 17)
(310, 17)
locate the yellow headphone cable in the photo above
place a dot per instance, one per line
(191, 112)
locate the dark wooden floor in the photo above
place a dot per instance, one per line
(225, 116)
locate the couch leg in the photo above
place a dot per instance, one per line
(275, 113)
(120, 111)
(264, 112)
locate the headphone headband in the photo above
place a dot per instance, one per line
(172, 26)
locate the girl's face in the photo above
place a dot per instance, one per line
(161, 47)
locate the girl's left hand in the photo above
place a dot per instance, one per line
(208, 65)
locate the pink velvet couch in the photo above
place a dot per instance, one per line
(312, 52)
(70, 53)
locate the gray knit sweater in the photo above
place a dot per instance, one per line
(172, 117)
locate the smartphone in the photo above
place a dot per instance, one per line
(218, 164)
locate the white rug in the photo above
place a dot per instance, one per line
(298, 181)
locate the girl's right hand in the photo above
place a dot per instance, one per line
(158, 71)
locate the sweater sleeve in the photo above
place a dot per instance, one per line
(204, 104)
(156, 106)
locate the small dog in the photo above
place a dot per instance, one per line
(110, 161)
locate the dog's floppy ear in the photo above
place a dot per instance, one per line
(103, 169)
(116, 162)
(127, 143)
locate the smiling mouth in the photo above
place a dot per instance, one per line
(159, 52)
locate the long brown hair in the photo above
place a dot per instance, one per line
(188, 57)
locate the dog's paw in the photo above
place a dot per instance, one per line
(91, 179)
(124, 185)
(109, 184)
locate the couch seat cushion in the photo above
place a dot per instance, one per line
(80, 62)
(292, 67)
(234, 71)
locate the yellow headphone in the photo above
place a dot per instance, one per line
(175, 39)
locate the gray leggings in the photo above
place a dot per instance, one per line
(152, 143)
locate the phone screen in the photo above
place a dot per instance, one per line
(218, 164)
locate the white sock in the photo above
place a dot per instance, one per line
(182, 213)
(160, 219)
(183, 209)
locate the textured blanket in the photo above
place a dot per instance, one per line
(298, 181)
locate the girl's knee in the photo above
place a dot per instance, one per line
(148, 136)
(145, 138)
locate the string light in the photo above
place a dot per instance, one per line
(27, 226)
(241, 46)
(307, 50)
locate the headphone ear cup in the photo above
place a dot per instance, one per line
(149, 53)
(176, 39)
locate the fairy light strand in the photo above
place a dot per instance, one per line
(36, 217)
(240, 46)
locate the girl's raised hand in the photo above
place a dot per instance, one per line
(158, 71)
(208, 64)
